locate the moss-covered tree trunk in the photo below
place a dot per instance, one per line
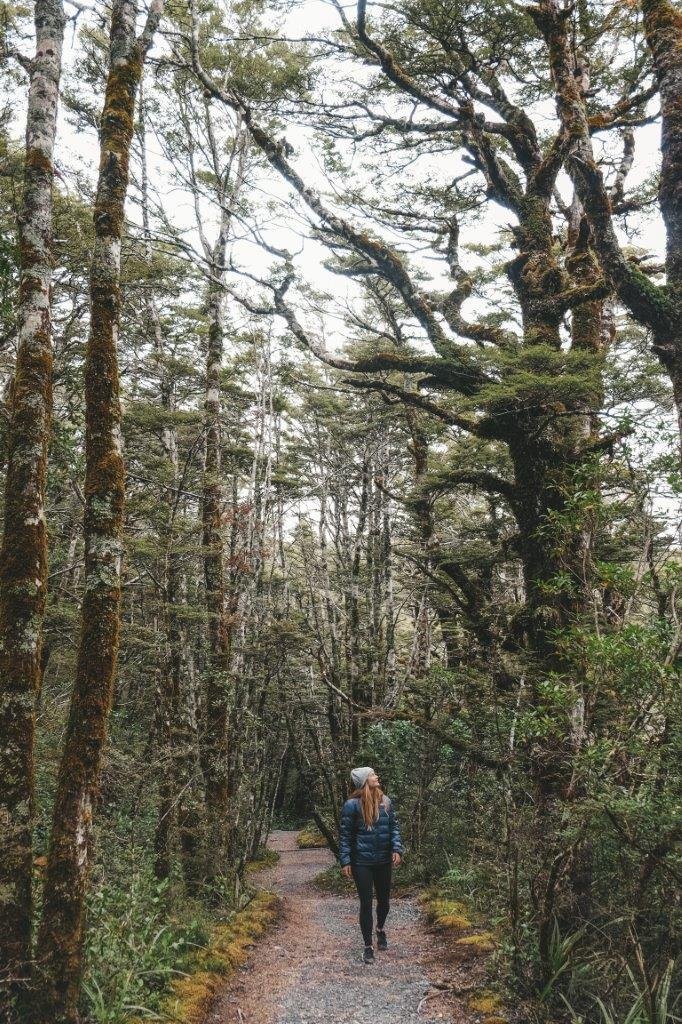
(23, 560)
(60, 939)
(663, 27)
(548, 446)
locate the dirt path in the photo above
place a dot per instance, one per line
(309, 970)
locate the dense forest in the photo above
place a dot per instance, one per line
(341, 398)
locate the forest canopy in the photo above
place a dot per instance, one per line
(341, 399)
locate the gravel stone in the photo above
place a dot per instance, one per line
(309, 970)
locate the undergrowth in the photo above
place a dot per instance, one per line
(145, 938)
(265, 858)
(139, 939)
(190, 996)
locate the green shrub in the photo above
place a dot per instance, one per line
(135, 947)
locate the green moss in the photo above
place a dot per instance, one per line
(117, 116)
(655, 295)
(485, 1001)
(453, 921)
(445, 913)
(310, 838)
(266, 858)
(480, 941)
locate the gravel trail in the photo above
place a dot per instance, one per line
(309, 969)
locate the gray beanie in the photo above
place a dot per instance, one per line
(359, 776)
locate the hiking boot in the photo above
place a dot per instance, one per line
(368, 955)
(381, 939)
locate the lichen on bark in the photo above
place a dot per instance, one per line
(23, 558)
(60, 939)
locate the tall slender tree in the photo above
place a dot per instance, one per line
(60, 939)
(215, 748)
(23, 559)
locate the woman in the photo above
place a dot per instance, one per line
(369, 845)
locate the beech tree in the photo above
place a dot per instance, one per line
(23, 559)
(655, 306)
(60, 938)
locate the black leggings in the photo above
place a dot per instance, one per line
(365, 875)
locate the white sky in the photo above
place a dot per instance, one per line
(79, 149)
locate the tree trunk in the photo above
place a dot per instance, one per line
(165, 691)
(23, 560)
(663, 29)
(186, 771)
(360, 686)
(60, 939)
(215, 745)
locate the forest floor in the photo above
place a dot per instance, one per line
(309, 969)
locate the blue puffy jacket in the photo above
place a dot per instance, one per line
(360, 845)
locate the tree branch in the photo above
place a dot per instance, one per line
(472, 752)
(478, 427)
(651, 305)
(481, 479)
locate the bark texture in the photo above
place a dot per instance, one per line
(23, 560)
(215, 748)
(663, 27)
(60, 939)
(221, 607)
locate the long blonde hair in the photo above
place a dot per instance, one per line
(370, 802)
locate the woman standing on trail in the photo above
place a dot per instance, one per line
(369, 845)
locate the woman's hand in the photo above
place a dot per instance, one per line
(397, 858)
(346, 871)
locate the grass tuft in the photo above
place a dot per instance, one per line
(191, 996)
(443, 912)
(310, 838)
(486, 1001)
